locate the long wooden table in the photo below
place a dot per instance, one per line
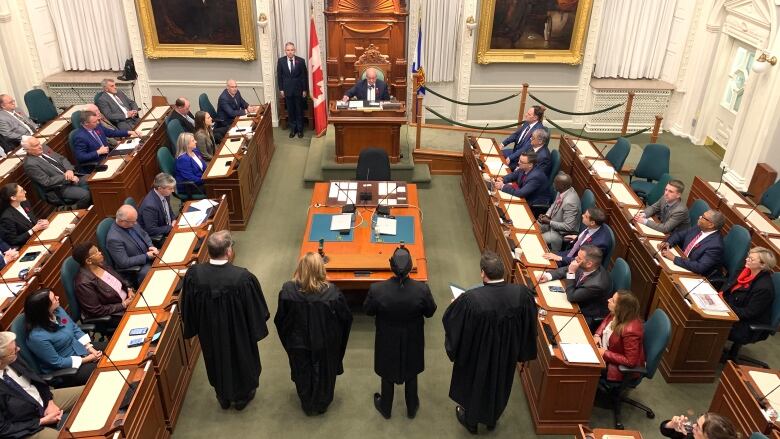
(739, 397)
(357, 129)
(240, 164)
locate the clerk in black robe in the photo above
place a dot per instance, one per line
(224, 306)
(313, 321)
(400, 305)
(488, 330)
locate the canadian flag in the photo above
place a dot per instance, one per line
(317, 83)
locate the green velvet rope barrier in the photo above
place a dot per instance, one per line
(571, 113)
(595, 139)
(465, 125)
(469, 103)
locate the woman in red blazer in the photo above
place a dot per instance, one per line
(620, 337)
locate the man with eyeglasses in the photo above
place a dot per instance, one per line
(14, 124)
(29, 408)
(702, 245)
(129, 245)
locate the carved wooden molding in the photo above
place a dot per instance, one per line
(372, 55)
(367, 31)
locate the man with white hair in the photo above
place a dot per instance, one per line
(55, 174)
(129, 245)
(370, 89)
(29, 408)
(231, 105)
(117, 107)
(14, 124)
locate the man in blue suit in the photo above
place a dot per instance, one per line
(592, 234)
(231, 105)
(155, 214)
(522, 137)
(128, 244)
(539, 139)
(90, 142)
(527, 181)
(702, 245)
(369, 89)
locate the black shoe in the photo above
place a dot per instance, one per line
(491, 427)
(225, 404)
(292, 134)
(412, 412)
(241, 405)
(460, 413)
(378, 405)
(300, 134)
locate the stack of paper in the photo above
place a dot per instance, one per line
(344, 191)
(579, 353)
(385, 188)
(386, 226)
(355, 104)
(341, 222)
(193, 218)
(204, 204)
(456, 291)
(128, 144)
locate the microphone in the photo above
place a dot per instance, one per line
(145, 106)
(475, 144)
(161, 93)
(7, 285)
(347, 208)
(593, 162)
(38, 238)
(160, 325)
(130, 386)
(77, 94)
(168, 266)
(720, 182)
(548, 329)
(694, 287)
(763, 398)
(321, 251)
(259, 101)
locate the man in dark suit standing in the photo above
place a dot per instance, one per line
(129, 245)
(155, 214)
(593, 234)
(231, 105)
(117, 107)
(28, 407)
(293, 82)
(181, 112)
(527, 181)
(702, 245)
(370, 89)
(400, 305)
(587, 283)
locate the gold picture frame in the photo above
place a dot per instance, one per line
(487, 54)
(153, 48)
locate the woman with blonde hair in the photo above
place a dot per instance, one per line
(313, 322)
(189, 164)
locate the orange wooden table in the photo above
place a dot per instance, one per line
(356, 264)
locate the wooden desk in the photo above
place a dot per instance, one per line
(357, 129)
(606, 433)
(348, 259)
(736, 398)
(239, 166)
(10, 305)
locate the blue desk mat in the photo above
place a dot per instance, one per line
(320, 229)
(404, 231)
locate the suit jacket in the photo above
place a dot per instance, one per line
(753, 305)
(123, 249)
(673, 218)
(11, 128)
(705, 258)
(152, 217)
(565, 216)
(206, 144)
(19, 416)
(360, 91)
(47, 175)
(97, 298)
(534, 189)
(4, 247)
(54, 349)
(292, 83)
(543, 160)
(111, 110)
(187, 125)
(14, 227)
(591, 294)
(625, 349)
(188, 170)
(600, 239)
(522, 139)
(230, 107)
(85, 145)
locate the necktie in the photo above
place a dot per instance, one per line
(119, 102)
(13, 385)
(691, 244)
(53, 162)
(581, 279)
(291, 63)
(665, 213)
(20, 118)
(577, 244)
(556, 205)
(167, 211)
(96, 137)
(522, 179)
(137, 239)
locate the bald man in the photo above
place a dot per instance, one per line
(370, 89)
(231, 105)
(105, 123)
(129, 245)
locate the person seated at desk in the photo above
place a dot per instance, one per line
(90, 142)
(105, 123)
(155, 214)
(751, 296)
(54, 174)
(370, 89)
(99, 289)
(527, 181)
(189, 164)
(539, 140)
(593, 234)
(56, 341)
(29, 407)
(18, 222)
(672, 212)
(702, 245)
(129, 245)
(231, 105)
(532, 120)
(181, 112)
(117, 107)
(205, 135)
(9, 254)
(587, 283)
(620, 337)
(707, 426)
(14, 124)
(562, 218)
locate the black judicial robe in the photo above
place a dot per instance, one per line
(314, 329)
(488, 330)
(224, 306)
(400, 310)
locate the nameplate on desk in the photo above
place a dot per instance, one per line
(220, 166)
(758, 220)
(586, 149)
(113, 164)
(53, 127)
(120, 351)
(100, 401)
(158, 112)
(178, 249)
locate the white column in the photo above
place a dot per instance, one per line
(465, 59)
(584, 94)
(144, 93)
(20, 56)
(266, 37)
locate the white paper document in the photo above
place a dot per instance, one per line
(129, 144)
(193, 218)
(204, 204)
(385, 188)
(341, 222)
(456, 291)
(386, 226)
(579, 353)
(10, 289)
(709, 302)
(355, 104)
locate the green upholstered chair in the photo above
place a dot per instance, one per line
(652, 165)
(621, 275)
(18, 327)
(68, 272)
(697, 209)
(770, 329)
(174, 129)
(205, 105)
(617, 155)
(39, 106)
(658, 189)
(771, 200)
(168, 165)
(587, 201)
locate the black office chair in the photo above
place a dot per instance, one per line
(373, 165)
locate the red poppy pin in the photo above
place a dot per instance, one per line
(64, 321)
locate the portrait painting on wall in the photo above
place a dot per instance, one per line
(198, 28)
(541, 31)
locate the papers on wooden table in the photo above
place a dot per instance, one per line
(158, 112)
